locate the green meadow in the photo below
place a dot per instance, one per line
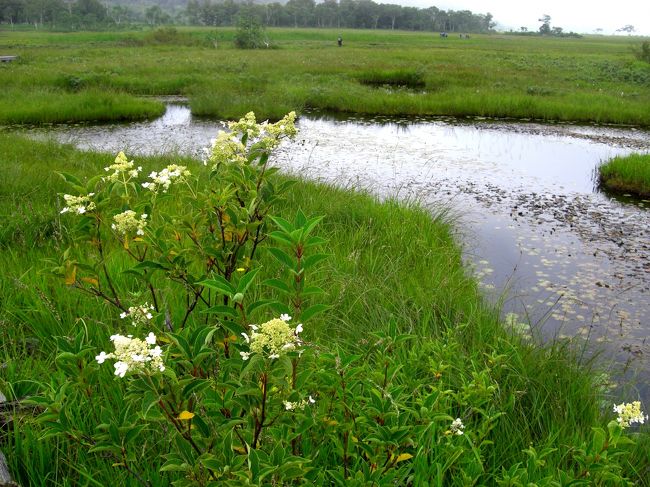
(406, 345)
(592, 79)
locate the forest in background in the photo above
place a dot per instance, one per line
(92, 14)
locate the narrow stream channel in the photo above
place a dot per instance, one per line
(564, 257)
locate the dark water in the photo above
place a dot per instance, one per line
(566, 258)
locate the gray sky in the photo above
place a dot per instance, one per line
(578, 16)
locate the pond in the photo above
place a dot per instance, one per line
(542, 239)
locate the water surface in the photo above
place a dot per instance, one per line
(571, 260)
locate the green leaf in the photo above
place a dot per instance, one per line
(253, 462)
(246, 280)
(69, 178)
(310, 225)
(278, 284)
(258, 305)
(598, 440)
(255, 361)
(220, 284)
(211, 462)
(312, 260)
(195, 386)
(313, 241)
(313, 311)
(282, 237)
(182, 343)
(309, 290)
(149, 264)
(284, 225)
(301, 219)
(222, 310)
(281, 256)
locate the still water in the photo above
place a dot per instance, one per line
(561, 255)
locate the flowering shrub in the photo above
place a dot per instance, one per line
(223, 386)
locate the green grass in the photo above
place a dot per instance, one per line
(593, 79)
(627, 174)
(391, 266)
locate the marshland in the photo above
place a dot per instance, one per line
(436, 191)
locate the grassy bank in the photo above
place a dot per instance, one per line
(593, 79)
(629, 174)
(400, 300)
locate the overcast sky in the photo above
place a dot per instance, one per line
(572, 15)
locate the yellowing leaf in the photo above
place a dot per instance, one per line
(185, 415)
(239, 449)
(403, 456)
(70, 275)
(90, 280)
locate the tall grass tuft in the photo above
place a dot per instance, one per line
(627, 174)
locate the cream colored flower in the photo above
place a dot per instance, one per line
(140, 315)
(127, 223)
(172, 174)
(122, 167)
(78, 204)
(457, 427)
(629, 413)
(134, 355)
(272, 339)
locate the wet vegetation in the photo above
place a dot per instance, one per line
(420, 344)
(593, 79)
(407, 78)
(629, 174)
(518, 400)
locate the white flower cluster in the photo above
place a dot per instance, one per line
(629, 413)
(247, 125)
(78, 204)
(140, 315)
(126, 223)
(273, 338)
(134, 355)
(457, 427)
(228, 148)
(165, 178)
(121, 167)
(300, 405)
(283, 128)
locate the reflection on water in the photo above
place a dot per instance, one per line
(574, 262)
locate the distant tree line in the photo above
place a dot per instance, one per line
(78, 14)
(96, 14)
(358, 14)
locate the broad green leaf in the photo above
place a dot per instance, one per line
(222, 310)
(219, 283)
(313, 311)
(278, 284)
(282, 257)
(246, 280)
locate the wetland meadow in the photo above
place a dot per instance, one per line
(417, 280)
